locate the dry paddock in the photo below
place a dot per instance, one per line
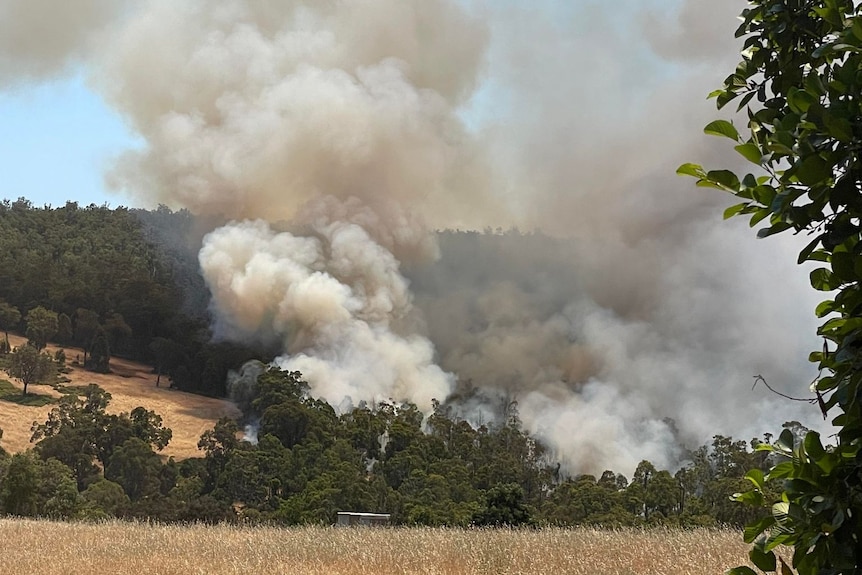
(45, 547)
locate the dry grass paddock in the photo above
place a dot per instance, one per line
(130, 385)
(44, 547)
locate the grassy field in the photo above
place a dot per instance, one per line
(130, 385)
(138, 549)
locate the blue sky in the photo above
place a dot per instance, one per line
(57, 137)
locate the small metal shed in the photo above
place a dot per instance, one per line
(351, 518)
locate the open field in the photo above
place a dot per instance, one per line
(119, 548)
(130, 385)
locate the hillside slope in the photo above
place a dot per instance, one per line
(131, 385)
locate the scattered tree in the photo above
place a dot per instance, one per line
(118, 331)
(10, 317)
(166, 353)
(100, 353)
(64, 329)
(86, 327)
(30, 365)
(41, 326)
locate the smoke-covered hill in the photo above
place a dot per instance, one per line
(332, 139)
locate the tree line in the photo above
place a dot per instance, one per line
(309, 462)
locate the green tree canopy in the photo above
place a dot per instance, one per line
(10, 317)
(800, 84)
(86, 326)
(64, 329)
(30, 365)
(100, 353)
(41, 326)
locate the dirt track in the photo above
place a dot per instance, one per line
(130, 385)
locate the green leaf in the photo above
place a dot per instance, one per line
(691, 170)
(843, 266)
(786, 440)
(743, 570)
(758, 216)
(764, 560)
(845, 48)
(830, 14)
(812, 170)
(753, 530)
(824, 308)
(800, 100)
(781, 511)
(724, 178)
(774, 229)
(806, 251)
(745, 100)
(721, 128)
(775, 539)
(750, 152)
(813, 446)
(734, 210)
(756, 477)
(821, 279)
(840, 128)
(708, 184)
(753, 498)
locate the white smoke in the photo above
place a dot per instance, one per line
(337, 301)
(337, 135)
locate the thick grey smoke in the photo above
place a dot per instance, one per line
(40, 38)
(338, 136)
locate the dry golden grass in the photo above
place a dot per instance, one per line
(29, 546)
(130, 385)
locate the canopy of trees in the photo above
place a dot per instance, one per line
(113, 282)
(310, 463)
(799, 82)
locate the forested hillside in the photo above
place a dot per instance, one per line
(129, 275)
(126, 282)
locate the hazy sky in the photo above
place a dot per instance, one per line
(51, 116)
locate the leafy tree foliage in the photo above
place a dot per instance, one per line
(801, 64)
(104, 499)
(64, 329)
(41, 326)
(166, 354)
(504, 505)
(30, 365)
(10, 317)
(118, 332)
(79, 432)
(136, 468)
(100, 353)
(86, 327)
(387, 457)
(131, 273)
(33, 487)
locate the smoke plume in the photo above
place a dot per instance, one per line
(341, 137)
